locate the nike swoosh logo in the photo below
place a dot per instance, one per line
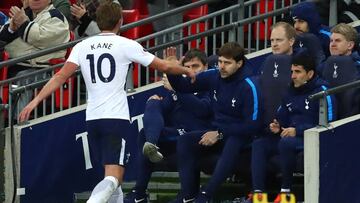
(139, 200)
(188, 200)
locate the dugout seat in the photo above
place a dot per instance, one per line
(274, 82)
(339, 70)
(312, 44)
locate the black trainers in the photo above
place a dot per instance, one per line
(152, 152)
(133, 197)
(180, 199)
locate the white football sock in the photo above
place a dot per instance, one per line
(117, 196)
(103, 190)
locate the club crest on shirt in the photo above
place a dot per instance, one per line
(233, 102)
(307, 104)
(288, 106)
(335, 74)
(275, 74)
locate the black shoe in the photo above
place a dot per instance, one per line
(134, 197)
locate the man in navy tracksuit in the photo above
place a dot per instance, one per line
(165, 118)
(343, 41)
(296, 114)
(307, 19)
(235, 102)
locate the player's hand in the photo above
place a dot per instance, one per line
(288, 132)
(25, 113)
(209, 138)
(274, 127)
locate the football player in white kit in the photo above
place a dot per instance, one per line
(104, 60)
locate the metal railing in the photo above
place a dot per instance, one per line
(218, 27)
(323, 119)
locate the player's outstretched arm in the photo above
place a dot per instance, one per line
(54, 83)
(172, 67)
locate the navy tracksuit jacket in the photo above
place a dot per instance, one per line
(295, 111)
(166, 119)
(235, 102)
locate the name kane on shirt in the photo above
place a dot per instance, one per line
(101, 45)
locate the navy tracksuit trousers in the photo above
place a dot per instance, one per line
(189, 152)
(267, 146)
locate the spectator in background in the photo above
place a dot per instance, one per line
(236, 119)
(307, 19)
(84, 19)
(36, 27)
(343, 42)
(296, 114)
(159, 6)
(64, 7)
(84, 16)
(166, 118)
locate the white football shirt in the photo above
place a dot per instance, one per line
(104, 61)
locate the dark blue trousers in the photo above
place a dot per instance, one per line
(263, 149)
(266, 147)
(144, 166)
(153, 121)
(190, 151)
(288, 149)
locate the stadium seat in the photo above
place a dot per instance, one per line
(141, 6)
(340, 70)
(312, 44)
(274, 82)
(262, 25)
(5, 11)
(66, 90)
(4, 76)
(9, 3)
(130, 16)
(196, 28)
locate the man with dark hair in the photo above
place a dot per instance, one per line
(166, 118)
(235, 102)
(104, 61)
(296, 114)
(307, 20)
